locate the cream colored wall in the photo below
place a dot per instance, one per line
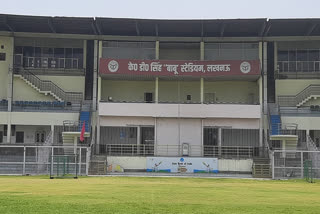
(126, 90)
(29, 133)
(232, 123)
(304, 123)
(298, 45)
(293, 87)
(24, 92)
(67, 83)
(169, 91)
(7, 42)
(42, 118)
(232, 91)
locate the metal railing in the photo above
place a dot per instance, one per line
(47, 62)
(178, 102)
(50, 87)
(35, 160)
(295, 100)
(176, 150)
(285, 128)
(75, 126)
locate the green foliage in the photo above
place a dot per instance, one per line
(156, 195)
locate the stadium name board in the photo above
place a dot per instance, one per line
(179, 67)
(182, 164)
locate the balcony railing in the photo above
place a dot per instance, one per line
(48, 65)
(176, 150)
(298, 69)
(181, 102)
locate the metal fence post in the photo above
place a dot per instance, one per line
(79, 161)
(301, 162)
(272, 164)
(51, 168)
(87, 160)
(24, 161)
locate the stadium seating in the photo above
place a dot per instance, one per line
(85, 117)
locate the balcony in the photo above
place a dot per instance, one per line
(175, 110)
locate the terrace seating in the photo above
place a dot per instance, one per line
(39, 103)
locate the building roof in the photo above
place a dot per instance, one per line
(163, 28)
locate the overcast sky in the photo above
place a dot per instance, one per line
(166, 9)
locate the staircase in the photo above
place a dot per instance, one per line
(275, 121)
(47, 87)
(310, 92)
(85, 118)
(261, 168)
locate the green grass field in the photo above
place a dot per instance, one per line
(156, 195)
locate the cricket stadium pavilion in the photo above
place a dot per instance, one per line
(228, 90)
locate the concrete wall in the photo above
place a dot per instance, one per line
(140, 163)
(175, 91)
(293, 87)
(29, 133)
(233, 91)
(7, 43)
(179, 110)
(67, 83)
(304, 123)
(24, 92)
(232, 123)
(126, 90)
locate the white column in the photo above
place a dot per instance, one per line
(52, 134)
(138, 139)
(95, 75)
(155, 136)
(219, 140)
(98, 135)
(157, 90)
(261, 120)
(201, 89)
(9, 132)
(201, 50)
(75, 142)
(157, 50)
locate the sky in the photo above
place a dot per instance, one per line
(166, 9)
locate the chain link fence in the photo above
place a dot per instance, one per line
(288, 164)
(35, 160)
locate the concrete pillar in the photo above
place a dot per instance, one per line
(201, 89)
(219, 140)
(99, 90)
(9, 132)
(157, 90)
(155, 137)
(52, 134)
(84, 53)
(95, 75)
(138, 139)
(202, 50)
(75, 142)
(157, 50)
(98, 135)
(261, 120)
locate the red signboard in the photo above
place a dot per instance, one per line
(179, 67)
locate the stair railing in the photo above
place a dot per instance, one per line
(47, 85)
(311, 146)
(295, 100)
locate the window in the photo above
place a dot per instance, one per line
(40, 136)
(148, 97)
(19, 137)
(2, 56)
(188, 97)
(1, 137)
(13, 130)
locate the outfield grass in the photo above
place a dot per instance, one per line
(156, 195)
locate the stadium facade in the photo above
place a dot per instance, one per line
(225, 89)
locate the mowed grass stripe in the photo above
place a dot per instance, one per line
(156, 195)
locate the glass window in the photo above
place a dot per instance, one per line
(18, 50)
(302, 55)
(292, 55)
(283, 56)
(59, 52)
(28, 51)
(313, 55)
(37, 51)
(68, 52)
